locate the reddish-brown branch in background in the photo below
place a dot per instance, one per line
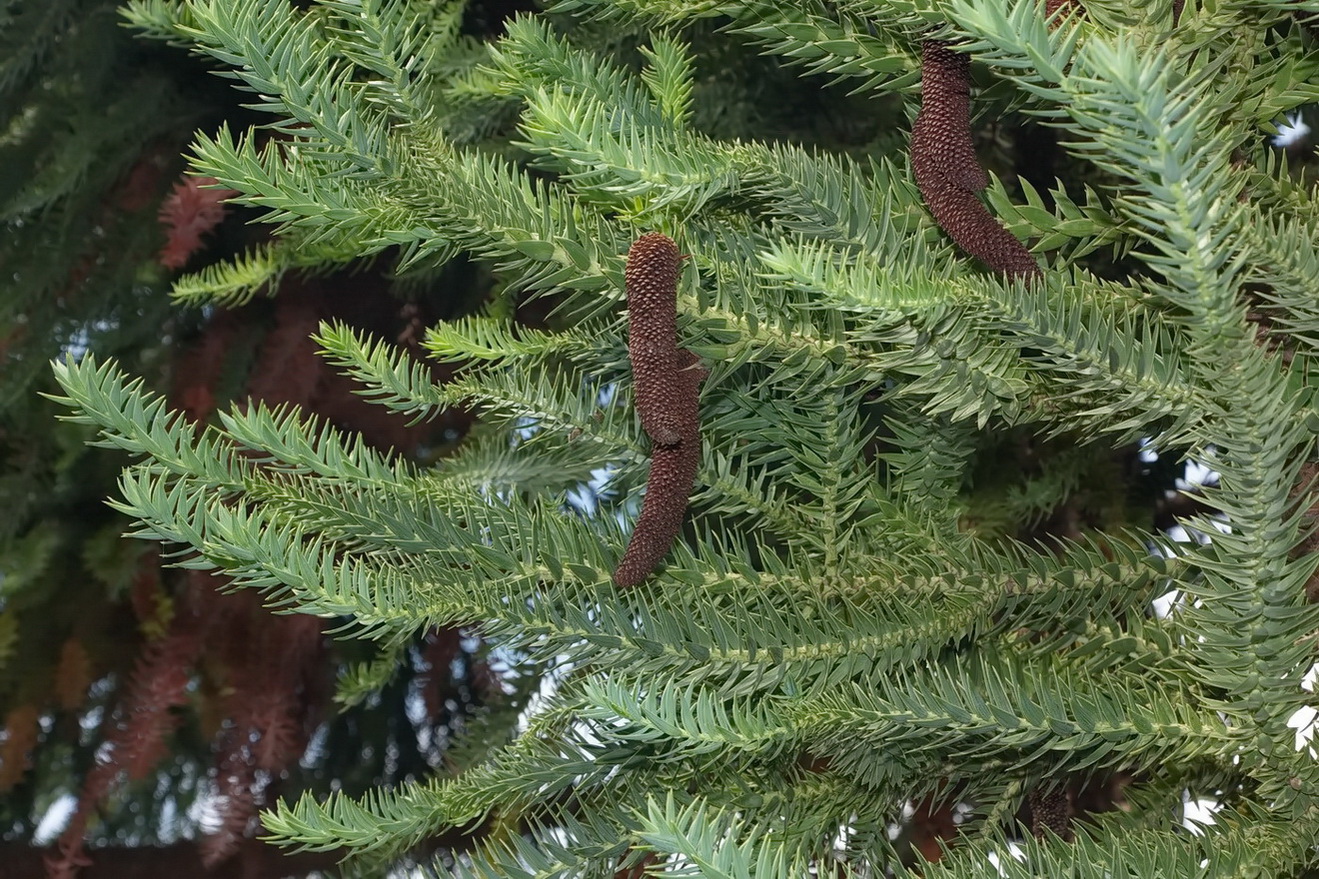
(236, 803)
(187, 213)
(22, 729)
(138, 737)
(254, 858)
(639, 866)
(667, 382)
(947, 172)
(73, 675)
(932, 827)
(262, 680)
(440, 648)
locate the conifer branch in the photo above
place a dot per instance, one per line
(864, 617)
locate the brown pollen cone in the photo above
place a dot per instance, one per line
(1051, 810)
(947, 171)
(666, 382)
(651, 273)
(669, 485)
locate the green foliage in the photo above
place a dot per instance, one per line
(77, 200)
(833, 635)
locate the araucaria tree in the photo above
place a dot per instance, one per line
(905, 603)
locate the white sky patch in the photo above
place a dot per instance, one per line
(1198, 812)
(843, 837)
(55, 819)
(1303, 721)
(584, 498)
(1182, 534)
(1014, 851)
(1164, 604)
(204, 811)
(1291, 131)
(1196, 475)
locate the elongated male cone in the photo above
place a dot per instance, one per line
(947, 172)
(651, 273)
(666, 383)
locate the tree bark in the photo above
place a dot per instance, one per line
(253, 860)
